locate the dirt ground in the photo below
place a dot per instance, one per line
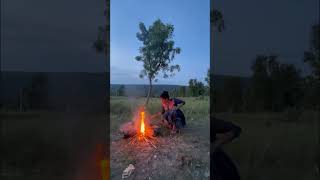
(181, 156)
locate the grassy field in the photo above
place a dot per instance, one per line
(271, 147)
(122, 109)
(184, 156)
(58, 146)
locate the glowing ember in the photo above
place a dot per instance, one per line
(142, 126)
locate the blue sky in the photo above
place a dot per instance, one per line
(192, 30)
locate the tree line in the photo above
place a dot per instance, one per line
(32, 95)
(194, 89)
(273, 86)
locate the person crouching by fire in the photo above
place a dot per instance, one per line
(172, 115)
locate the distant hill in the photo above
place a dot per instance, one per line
(142, 89)
(65, 90)
(68, 87)
(219, 80)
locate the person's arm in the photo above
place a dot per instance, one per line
(223, 138)
(225, 132)
(178, 103)
(159, 113)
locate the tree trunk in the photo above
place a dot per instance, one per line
(149, 92)
(21, 100)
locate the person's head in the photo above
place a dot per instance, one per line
(164, 97)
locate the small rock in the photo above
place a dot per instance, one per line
(128, 171)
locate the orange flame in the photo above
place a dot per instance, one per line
(142, 126)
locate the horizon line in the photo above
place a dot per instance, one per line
(108, 72)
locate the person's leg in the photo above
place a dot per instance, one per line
(179, 115)
(166, 119)
(178, 123)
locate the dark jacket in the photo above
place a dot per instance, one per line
(178, 114)
(221, 126)
(223, 167)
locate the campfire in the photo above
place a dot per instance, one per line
(144, 132)
(142, 125)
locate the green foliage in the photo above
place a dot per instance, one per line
(275, 86)
(312, 57)
(99, 43)
(102, 44)
(216, 19)
(157, 52)
(207, 79)
(196, 88)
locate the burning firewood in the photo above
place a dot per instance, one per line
(139, 130)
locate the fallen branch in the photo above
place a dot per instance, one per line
(148, 141)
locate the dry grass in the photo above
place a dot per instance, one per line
(272, 148)
(184, 156)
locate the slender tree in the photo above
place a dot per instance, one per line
(216, 23)
(157, 52)
(312, 56)
(217, 20)
(102, 44)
